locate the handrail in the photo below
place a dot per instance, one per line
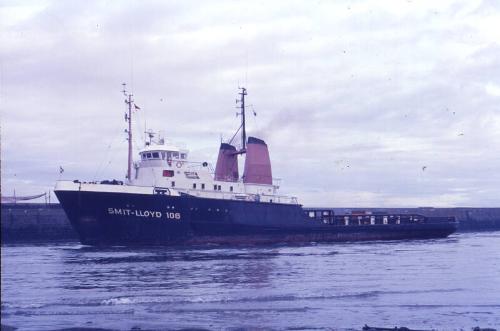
(234, 196)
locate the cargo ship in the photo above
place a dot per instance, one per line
(167, 199)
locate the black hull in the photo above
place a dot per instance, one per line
(102, 218)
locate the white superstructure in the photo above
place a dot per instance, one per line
(168, 166)
(164, 168)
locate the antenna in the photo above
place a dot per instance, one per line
(241, 101)
(128, 118)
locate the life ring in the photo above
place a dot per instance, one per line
(178, 164)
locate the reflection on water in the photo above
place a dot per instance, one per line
(442, 284)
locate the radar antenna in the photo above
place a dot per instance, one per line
(149, 134)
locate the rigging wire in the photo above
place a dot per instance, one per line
(111, 159)
(100, 168)
(108, 159)
(234, 135)
(254, 116)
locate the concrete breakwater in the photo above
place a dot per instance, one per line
(48, 222)
(35, 222)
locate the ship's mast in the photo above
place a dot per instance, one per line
(243, 93)
(128, 118)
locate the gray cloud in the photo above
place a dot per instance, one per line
(354, 98)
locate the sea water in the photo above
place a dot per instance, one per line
(441, 284)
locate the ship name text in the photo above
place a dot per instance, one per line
(144, 213)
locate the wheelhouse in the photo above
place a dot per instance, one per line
(167, 153)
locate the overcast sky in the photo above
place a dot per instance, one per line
(362, 103)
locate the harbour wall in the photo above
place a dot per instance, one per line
(31, 222)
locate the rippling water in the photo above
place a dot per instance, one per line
(445, 284)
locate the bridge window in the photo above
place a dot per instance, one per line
(183, 156)
(202, 186)
(175, 155)
(173, 184)
(215, 187)
(168, 173)
(194, 185)
(231, 188)
(156, 155)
